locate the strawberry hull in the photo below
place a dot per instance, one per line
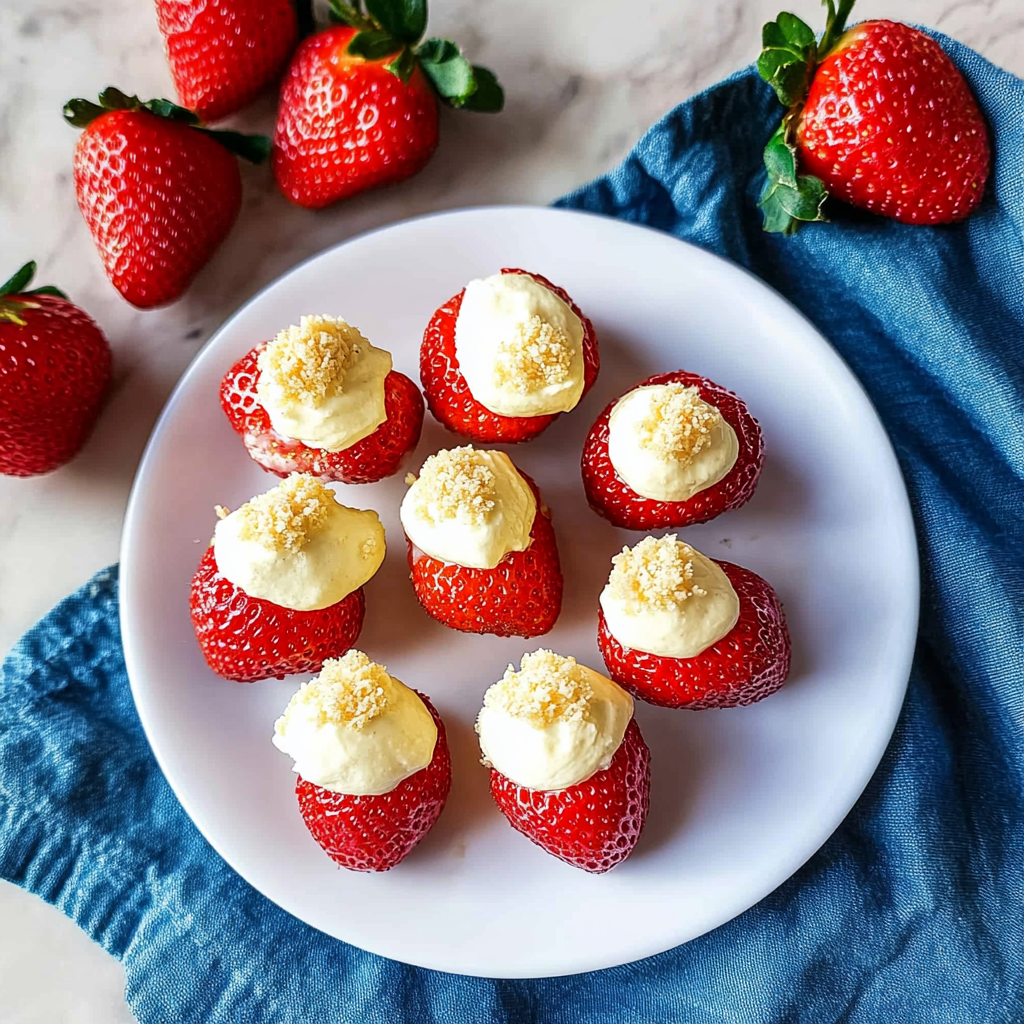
(611, 497)
(245, 638)
(593, 825)
(748, 664)
(375, 457)
(448, 395)
(374, 833)
(521, 596)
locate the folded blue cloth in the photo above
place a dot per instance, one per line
(914, 910)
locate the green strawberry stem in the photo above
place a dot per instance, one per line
(80, 113)
(395, 28)
(788, 61)
(14, 290)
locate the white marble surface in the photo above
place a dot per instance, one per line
(583, 82)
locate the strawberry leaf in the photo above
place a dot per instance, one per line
(351, 15)
(787, 60)
(789, 198)
(81, 113)
(169, 110)
(450, 72)
(489, 96)
(16, 284)
(113, 99)
(373, 45)
(254, 148)
(406, 20)
(403, 65)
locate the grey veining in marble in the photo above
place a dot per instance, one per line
(584, 78)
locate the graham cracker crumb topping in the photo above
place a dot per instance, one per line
(679, 424)
(351, 690)
(537, 356)
(548, 688)
(308, 362)
(656, 572)
(287, 517)
(455, 484)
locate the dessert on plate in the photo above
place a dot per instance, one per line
(321, 399)
(372, 760)
(681, 630)
(569, 768)
(676, 449)
(503, 358)
(481, 547)
(279, 589)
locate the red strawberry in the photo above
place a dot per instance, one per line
(223, 53)
(750, 662)
(158, 192)
(448, 395)
(373, 458)
(879, 116)
(374, 833)
(54, 371)
(521, 596)
(245, 638)
(610, 496)
(359, 102)
(593, 825)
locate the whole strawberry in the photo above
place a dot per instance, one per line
(223, 53)
(879, 116)
(54, 371)
(158, 191)
(359, 102)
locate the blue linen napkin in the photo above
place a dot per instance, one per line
(912, 912)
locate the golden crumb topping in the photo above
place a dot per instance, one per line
(308, 362)
(351, 690)
(286, 517)
(548, 688)
(656, 572)
(679, 423)
(538, 355)
(457, 484)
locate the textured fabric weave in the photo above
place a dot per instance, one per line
(913, 912)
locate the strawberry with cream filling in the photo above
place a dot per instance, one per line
(481, 547)
(569, 767)
(503, 358)
(675, 450)
(280, 588)
(321, 399)
(372, 760)
(681, 630)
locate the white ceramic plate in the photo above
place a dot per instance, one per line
(739, 798)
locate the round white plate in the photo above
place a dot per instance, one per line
(739, 798)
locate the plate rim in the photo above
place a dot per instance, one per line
(902, 519)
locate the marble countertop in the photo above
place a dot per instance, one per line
(582, 84)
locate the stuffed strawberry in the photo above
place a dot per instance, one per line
(878, 115)
(569, 767)
(224, 53)
(372, 759)
(158, 191)
(359, 101)
(358, 417)
(280, 588)
(54, 372)
(502, 359)
(675, 450)
(481, 547)
(681, 630)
